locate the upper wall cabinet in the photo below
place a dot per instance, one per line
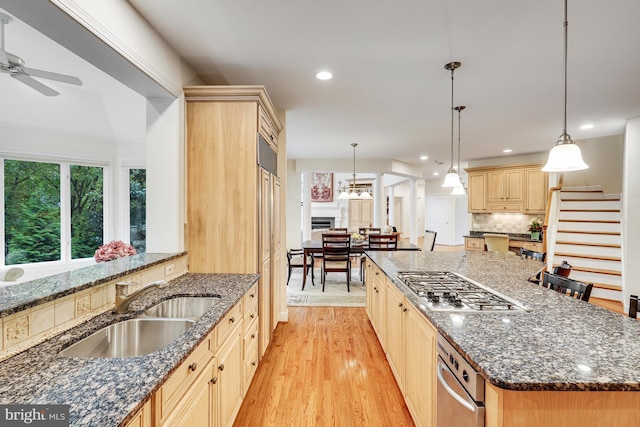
(517, 189)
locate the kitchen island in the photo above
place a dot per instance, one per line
(109, 391)
(564, 362)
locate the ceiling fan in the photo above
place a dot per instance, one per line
(14, 66)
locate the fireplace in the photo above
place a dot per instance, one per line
(322, 222)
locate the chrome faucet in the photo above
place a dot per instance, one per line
(124, 299)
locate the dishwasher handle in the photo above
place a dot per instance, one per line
(465, 401)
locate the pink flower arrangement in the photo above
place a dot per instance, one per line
(113, 250)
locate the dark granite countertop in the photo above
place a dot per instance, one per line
(105, 392)
(526, 237)
(561, 344)
(19, 296)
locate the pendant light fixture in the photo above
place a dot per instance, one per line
(452, 179)
(459, 190)
(353, 194)
(565, 156)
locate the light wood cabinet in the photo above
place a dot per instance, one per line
(143, 418)
(230, 384)
(508, 189)
(473, 244)
(411, 351)
(230, 199)
(536, 184)
(376, 297)
(360, 214)
(395, 347)
(420, 368)
(477, 192)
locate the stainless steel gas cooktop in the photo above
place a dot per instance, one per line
(448, 291)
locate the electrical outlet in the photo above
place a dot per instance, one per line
(168, 270)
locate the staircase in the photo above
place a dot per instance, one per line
(588, 237)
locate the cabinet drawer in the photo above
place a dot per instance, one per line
(534, 247)
(228, 323)
(250, 365)
(250, 300)
(250, 338)
(171, 392)
(473, 244)
(506, 207)
(265, 128)
(250, 317)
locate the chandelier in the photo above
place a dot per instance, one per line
(353, 192)
(565, 156)
(452, 179)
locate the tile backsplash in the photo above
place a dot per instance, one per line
(503, 222)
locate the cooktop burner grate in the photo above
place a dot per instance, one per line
(449, 291)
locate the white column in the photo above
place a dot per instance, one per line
(413, 213)
(306, 206)
(392, 203)
(378, 201)
(630, 204)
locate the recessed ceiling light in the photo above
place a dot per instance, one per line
(586, 126)
(324, 75)
(424, 157)
(507, 150)
(436, 173)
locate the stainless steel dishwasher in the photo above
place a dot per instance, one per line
(460, 398)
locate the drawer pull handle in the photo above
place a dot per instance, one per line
(253, 316)
(253, 336)
(253, 363)
(400, 305)
(214, 380)
(221, 367)
(405, 309)
(233, 319)
(253, 295)
(193, 366)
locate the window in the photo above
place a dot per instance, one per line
(138, 209)
(52, 211)
(31, 212)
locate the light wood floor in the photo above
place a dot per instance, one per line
(324, 367)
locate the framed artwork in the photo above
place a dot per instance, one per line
(321, 187)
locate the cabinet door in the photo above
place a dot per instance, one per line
(514, 185)
(230, 386)
(420, 357)
(277, 226)
(395, 336)
(143, 418)
(276, 287)
(477, 192)
(495, 186)
(536, 191)
(380, 310)
(264, 301)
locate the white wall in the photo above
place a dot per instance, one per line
(600, 154)
(630, 208)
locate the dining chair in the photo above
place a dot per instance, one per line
(335, 256)
(429, 240)
(379, 242)
(567, 286)
(633, 306)
(295, 259)
(497, 242)
(538, 256)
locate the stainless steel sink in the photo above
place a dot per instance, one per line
(182, 307)
(130, 338)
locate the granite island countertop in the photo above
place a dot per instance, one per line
(105, 392)
(561, 344)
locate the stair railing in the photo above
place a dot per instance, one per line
(550, 225)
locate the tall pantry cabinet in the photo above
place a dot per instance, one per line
(233, 192)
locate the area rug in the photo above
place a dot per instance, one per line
(335, 294)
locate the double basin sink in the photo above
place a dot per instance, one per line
(156, 327)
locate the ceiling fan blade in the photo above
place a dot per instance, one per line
(43, 89)
(52, 76)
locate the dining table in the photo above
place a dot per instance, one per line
(315, 247)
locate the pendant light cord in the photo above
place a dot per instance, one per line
(452, 70)
(566, 31)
